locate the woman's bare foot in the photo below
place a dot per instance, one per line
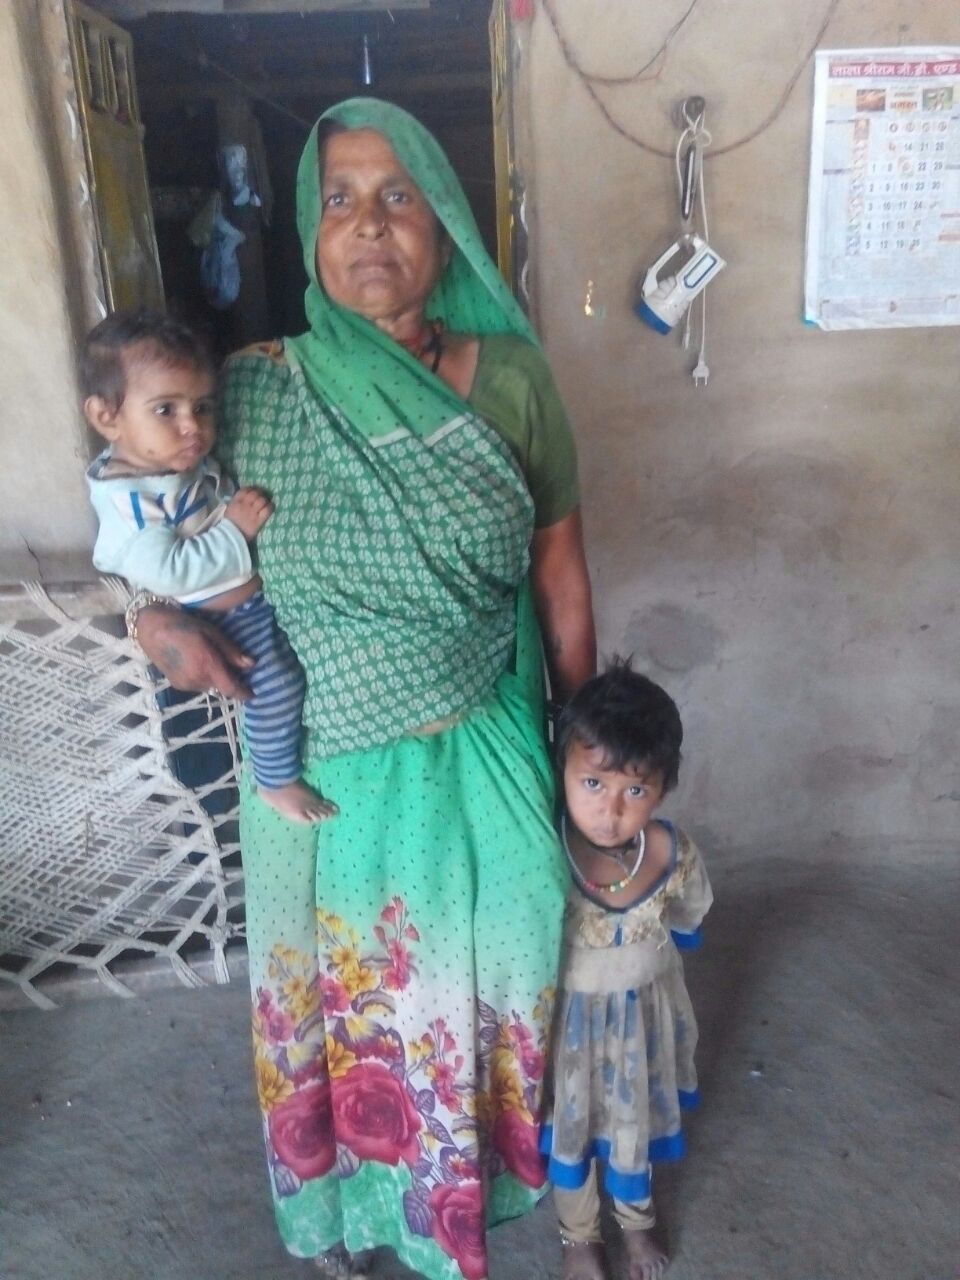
(583, 1261)
(338, 1264)
(298, 802)
(644, 1257)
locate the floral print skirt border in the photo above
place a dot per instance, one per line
(400, 1069)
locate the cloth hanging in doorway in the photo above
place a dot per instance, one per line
(219, 265)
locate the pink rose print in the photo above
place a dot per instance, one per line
(392, 911)
(334, 996)
(531, 1059)
(444, 1077)
(463, 1169)
(301, 1131)
(275, 1025)
(387, 1049)
(315, 1069)
(397, 974)
(458, 1226)
(516, 1141)
(374, 1115)
(444, 1040)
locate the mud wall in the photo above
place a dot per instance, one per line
(46, 528)
(781, 549)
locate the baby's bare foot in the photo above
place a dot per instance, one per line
(583, 1261)
(644, 1257)
(298, 802)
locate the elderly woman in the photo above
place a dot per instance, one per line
(402, 954)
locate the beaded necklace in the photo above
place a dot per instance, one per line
(427, 343)
(592, 885)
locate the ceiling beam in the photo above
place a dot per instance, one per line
(128, 10)
(163, 90)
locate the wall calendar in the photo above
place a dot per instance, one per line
(883, 220)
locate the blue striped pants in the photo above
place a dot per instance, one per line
(271, 718)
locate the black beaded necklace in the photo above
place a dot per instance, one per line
(428, 343)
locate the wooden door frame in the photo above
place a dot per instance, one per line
(509, 53)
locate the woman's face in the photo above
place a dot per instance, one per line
(379, 249)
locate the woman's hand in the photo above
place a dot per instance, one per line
(191, 652)
(561, 591)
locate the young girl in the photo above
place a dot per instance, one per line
(624, 1033)
(172, 524)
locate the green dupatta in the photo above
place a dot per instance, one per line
(348, 363)
(394, 558)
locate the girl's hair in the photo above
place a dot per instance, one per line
(103, 367)
(633, 721)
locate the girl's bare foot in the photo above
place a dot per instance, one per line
(298, 802)
(644, 1257)
(583, 1261)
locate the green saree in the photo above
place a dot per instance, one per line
(402, 955)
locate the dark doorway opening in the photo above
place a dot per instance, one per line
(208, 81)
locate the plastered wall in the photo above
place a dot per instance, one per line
(781, 550)
(46, 527)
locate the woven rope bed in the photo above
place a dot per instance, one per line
(107, 854)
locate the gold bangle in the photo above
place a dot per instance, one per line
(143, 600)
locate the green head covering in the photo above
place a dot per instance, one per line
(348, 363)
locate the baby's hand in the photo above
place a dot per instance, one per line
(249, 509)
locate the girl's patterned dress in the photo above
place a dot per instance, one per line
(625, 1033)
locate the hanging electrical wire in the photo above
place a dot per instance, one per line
(590, 80)
(635, 76)
(688, 162)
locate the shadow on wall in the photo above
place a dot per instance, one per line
(673, 638)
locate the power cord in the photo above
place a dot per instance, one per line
(691, 144)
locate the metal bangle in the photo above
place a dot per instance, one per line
(143, 600)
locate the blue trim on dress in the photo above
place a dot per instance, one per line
(570, 1177)
(689, 1099)
(671, 1147)
(135, 508)
(628, 1187)
(687, 940)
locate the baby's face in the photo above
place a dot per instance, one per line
(608, 806)
(166, 422)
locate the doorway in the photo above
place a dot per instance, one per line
(260, 80)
